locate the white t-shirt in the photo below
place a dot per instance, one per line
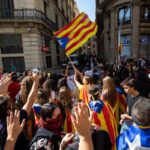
(70, 82)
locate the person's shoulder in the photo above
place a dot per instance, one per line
(47, 138)
(122, 139)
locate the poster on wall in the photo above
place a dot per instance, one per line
(144, 39)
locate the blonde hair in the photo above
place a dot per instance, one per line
(109, 91)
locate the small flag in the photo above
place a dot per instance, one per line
(76, 33)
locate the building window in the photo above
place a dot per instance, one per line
(48, 61)
(56, 20)
(17, 61)
(11, 43)
(58, 60)
(144, 45)
(57, 47)
(47, 43)
(124, 15)
(126, 45)
(6, 7)
(145, 13)
(6, 4)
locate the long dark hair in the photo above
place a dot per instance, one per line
(4, 106)
(109, 91)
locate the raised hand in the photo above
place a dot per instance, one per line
(82, 124)
(82, 120)
(67, 138)
(4, 83)
(14, 128)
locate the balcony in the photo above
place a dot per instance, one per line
(145, 19)
(27, 14)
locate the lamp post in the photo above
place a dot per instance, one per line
(120, 27)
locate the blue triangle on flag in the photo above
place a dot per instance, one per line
(63, 41)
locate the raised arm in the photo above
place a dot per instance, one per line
(76, 81)
(66, 71)
(78, 73)
(82, 123)
(32, 95)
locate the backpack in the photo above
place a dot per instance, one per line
(45, 140)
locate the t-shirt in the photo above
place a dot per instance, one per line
(13, 90)
(131, 100)
(71, 83)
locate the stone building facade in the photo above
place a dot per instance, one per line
(90, 47)
(135, 29)
(26, 32)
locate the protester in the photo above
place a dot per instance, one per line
(138, 135)
(6, 107)
(13, 68)
(21, 99)
(82, 123)
(69, 111)
(84, 86)
(42, 98)
(65, 97)
(133, 95)
(14, 87)
(103, 117)
(115, 99)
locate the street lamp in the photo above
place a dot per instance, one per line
(120, 27)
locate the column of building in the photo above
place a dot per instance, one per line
(32, 43)
(113, 49)
(135, 30)
(106, 37)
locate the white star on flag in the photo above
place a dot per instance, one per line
(60, 42)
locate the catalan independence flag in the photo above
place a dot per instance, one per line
(134, 138)
(119, 108)
(68, 126)
(103, 117)
(76, 33)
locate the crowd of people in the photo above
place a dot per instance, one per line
(106, 108)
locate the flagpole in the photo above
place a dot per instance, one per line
(70, 61)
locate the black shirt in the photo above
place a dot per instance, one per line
(22, 141)
(131, 100)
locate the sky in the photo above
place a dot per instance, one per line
(87, 6)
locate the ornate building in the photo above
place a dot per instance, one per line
(26, 32)
(135, 28)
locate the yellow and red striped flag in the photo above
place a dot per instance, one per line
(76, 33)
(103, 117)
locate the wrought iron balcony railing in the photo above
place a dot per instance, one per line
(145, 19)
(27, 14)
